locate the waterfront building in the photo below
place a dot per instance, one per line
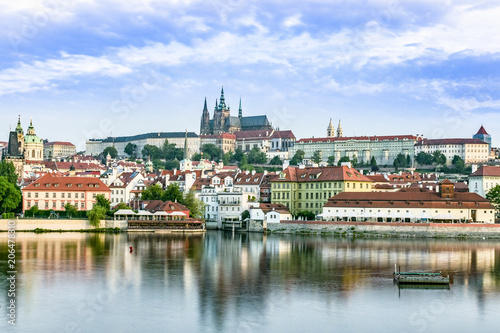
(308, 188)
(96, 146)
(483, 136)
(51, 192)
(249, 182)
(223, 122)
(58, 150)
(384, 149)
(123, 185)
(410, 205)
(484, 179)
(264, 213)
(469, 150)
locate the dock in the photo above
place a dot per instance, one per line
(420, 277)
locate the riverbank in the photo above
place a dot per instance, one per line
(378, 229)
(61, 225)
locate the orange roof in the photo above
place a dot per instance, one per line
(361, 138)
(49, 182)
(320, 174)
(487, 171)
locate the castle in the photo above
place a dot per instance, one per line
(223, 122)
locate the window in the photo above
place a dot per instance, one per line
(82, 195)
(69, 195)
(47, 195)
(29, 194)
(54, 195)
(36, 195)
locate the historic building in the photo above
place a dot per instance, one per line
(410, 205)
(57, 150)
(23, 148)
(483, 136)
(482, 180)
(469, 150)
(308, 189)
(223, 122)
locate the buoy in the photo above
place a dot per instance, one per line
(131, 249)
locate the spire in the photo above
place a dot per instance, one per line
(186, 145)
(19, 128)
(330, 131)
(340, 132)
(205, 109)
(222, 101)
(240, 111)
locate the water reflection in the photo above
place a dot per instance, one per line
(220, 281)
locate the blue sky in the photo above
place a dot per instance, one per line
(93, 68)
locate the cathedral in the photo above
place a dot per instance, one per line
(330, 131)
(23, 148)
(223, 122)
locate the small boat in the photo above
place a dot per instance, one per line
(419, 277)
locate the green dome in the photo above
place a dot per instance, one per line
(32, 139)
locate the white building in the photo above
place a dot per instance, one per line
(385, 149)
(96, 146)
(123, 185)
(469, 150)
(58, 149)
(484, 179)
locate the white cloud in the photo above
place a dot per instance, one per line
(293, 21)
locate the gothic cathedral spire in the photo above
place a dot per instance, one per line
(330, 131)
(240, 111)
(340, 132)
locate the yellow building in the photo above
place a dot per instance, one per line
(308, 189)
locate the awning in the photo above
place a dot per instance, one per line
(446, 216)
(125, 212)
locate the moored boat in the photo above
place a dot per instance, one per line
(420, 277)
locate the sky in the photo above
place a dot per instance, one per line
(95, 68)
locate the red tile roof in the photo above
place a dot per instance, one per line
(253, 135)
(49, 182)
(320, 174)
(438, 142)
(482, 131)
(244, 179)
(362, 138)
(283, 135)
(167, 206)
(268, 207)
(487, 171)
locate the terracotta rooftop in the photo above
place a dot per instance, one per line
(482, 131)
(487, 171)
(49, 182)
(320, 174)
(362, 138)
(438, 142)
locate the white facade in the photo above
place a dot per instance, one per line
(469, 150)
(484, 179)
(121, 188)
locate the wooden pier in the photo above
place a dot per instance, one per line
(419, 277)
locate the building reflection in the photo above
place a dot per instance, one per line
(247, 274)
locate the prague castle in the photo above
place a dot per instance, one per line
(223, 122)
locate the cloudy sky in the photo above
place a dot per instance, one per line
(93, 68)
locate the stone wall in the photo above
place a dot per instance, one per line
(60, 224)
(387, 229)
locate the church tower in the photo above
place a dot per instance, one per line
(330, 131)
(205, 120)
(221, 113)
(240, 111)
(20, 137)
(33, 145)
(340, 133)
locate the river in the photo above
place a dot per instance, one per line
(225, 282)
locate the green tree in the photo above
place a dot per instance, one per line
(400, 161)
(438, 158)
(245, 215)
(424, 158)
(131, 150)
(211, 152)
(306, 215)
(196, 157)
(243, 161)
(354, 162)
(317, 156)
(173, 193)
(10, 195)
(32, 211)
(331, 161)
(226, 158)
(169, 152)
(153, 192)
(373, 164)
(152, 151)
(408, 161)
(101, 200)
(96, 214)
(172, 164)
(238, 155)
(276, 161)
(196, 207)
(255, 156)
(8, 170)
(458, 163)
(70, 209)
(343, 159)
(111, 151)
(259, 169)
(493, 196)
(297, 157)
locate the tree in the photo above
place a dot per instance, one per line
(276, 161)
(245, 215)
(173, 164)
(493, 196)
(211, 152)
(317, 156)
(256, 156)
(8, 170)
(331, 161)
(111, 151)
(259, 169)
(226, 158)
(152, 151)
(153, 192)
(424, 158)
(10, 195)
(32, 211)
(102, 201)
(354, 162)
(173, 193)
(238, 155)
(243, 161)
(131, 150)
(70, 209)
(196, 157)
(400, 161)
(121, 205)
(408, 161)
(458, 163)
(438, 158)
(196, 206)
(95, 215)
(298, 157)
(306, 215)
(343, 159)
(373, 164)
(169, 152)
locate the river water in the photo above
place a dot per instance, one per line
(225, 282)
